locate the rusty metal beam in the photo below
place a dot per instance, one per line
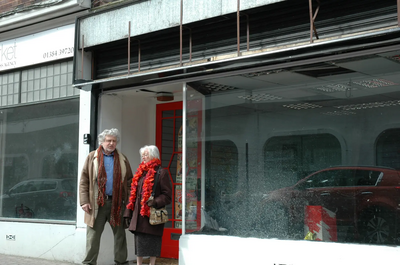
(315, 15)
(238, 27)
(139, 53)
(181, 27)
(129, 48)
(83, 48)
(190, 43)
(312, 20)
(181, 35)
(248, 32)
(398, 13)
(190, 46)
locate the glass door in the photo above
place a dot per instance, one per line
(169, 142)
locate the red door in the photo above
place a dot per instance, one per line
(169, 142)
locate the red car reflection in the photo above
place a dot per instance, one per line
(366, 201)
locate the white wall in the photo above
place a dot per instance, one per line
(46, 241)
(202, 249)
(139, 126)
(134, 117)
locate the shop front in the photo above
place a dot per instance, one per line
(275, 157)
(39, 124)
(297, 154)
(279, 156)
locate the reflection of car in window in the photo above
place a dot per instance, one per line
(43, 198)
(364, 199)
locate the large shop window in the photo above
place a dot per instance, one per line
(39, 161)
(304, 153)
(39, 144)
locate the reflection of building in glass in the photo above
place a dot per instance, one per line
(41, 160)
(39, 123)
(284, 140)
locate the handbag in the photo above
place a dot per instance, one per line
(157, 216)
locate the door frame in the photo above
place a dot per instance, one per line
(170, 240)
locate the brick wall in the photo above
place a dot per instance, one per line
(10, 5)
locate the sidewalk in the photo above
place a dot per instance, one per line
(17, 260)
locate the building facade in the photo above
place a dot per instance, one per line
(39, 111)
(277, 120)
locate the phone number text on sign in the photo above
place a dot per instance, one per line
(58, 53)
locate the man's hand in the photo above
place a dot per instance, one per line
(127, 221)
(86, 207)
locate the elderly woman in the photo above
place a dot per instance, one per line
(147, 237)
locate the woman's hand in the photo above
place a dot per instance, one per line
(151, 203)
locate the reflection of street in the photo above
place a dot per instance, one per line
(23, 212)
(240, 214)
(362, 200)
(232, 200)
(41, 199)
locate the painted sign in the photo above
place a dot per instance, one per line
(37, 48)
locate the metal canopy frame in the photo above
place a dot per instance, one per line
(312, 20)
(313, 33)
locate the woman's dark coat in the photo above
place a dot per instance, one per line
(163, 196)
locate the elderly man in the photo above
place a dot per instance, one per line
(103, 192)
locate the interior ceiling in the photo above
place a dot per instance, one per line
(359, 80)
(151, 92)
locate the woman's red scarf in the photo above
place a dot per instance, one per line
(149, 169)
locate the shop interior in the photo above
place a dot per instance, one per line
(255, 139)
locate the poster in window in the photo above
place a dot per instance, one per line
(178, 202)
(179, 169)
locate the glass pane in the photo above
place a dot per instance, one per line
(176, 175)
(178, 205)
(167, 113)
(178, 113)
(291, 150)
(40, 161)
(221, 165)
(178, 135)
(387, 149)
(44, 80)
(167, 141)
(291, 158)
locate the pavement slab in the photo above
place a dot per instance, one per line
(18, 260)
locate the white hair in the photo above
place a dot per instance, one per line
(108, 132)
(153, 152)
